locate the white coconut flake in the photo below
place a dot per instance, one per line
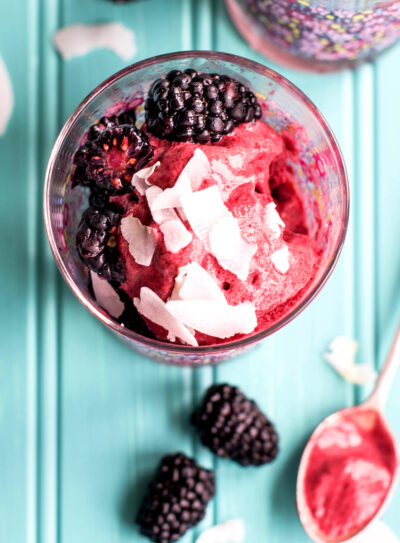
(6, 97)
(197, 169)
(79, 39)
(272, 221)
(229, 248)
(203, 208)
(153, 308)
(159, 215)
(376, 531)
(140, 178)
(193, 282)
(213, 318)
(342, 359)
(236, 161)
(106, 296)
(140, 238)
(176, 236)
(231, 531)
(280, 259)
(193, 174)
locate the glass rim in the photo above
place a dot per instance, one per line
(101, 314)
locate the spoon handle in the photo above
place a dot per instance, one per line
(379, 396)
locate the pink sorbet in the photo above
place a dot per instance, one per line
(251, 169)
(349, 472)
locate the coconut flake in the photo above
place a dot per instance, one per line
(79, 39)
(376, 531)
(193, 174)
(229, 248)
(106, 296)
(159, 215)
(236, 161)
(153, 308)
(6, 97)
(342, 358)
(197, 169)
(140, 178)
(213, 318)
(193, 282)
(272, 221)
(202, 209)
(231, 531)
(176, 237)
(140, 238)
(280, 259)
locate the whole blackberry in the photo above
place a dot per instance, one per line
(113, 157)
(200, 107)
(96, 242)
(176, 499)
(232, 426)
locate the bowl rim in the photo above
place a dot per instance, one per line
(101, 314)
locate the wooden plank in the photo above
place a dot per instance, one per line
(387, 256)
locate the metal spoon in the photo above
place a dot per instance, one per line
(375, 404)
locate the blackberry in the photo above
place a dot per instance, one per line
(232, 426)
(126, 117)
(113, 157)
(200, 107)
(176, 499)
(96, 242)
(132, 319)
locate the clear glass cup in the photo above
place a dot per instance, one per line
(320, 175)
(317, 35)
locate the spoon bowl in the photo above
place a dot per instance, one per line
(343, 432)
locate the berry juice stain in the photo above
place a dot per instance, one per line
(349, 473)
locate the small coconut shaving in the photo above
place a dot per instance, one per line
(153, 308)
(231, 531)
(342, 358)
(79, 39)
(106, 296)
(6, 97)
(140, 238)
(140, 180)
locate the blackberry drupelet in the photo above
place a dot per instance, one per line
(232, 426)
(176, 499)
(126, 117)
(96, 242)
(113, 157)
(200, 107)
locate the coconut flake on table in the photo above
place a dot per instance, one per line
(231, 531)
(280, 259)
(229, 248)
(106, 297)
(176, 236)
(191, 177)
(376, 531)
(214, 318)
(203, 208)
(193, 282)
(79, 39)
(6, 97)
(140, 238)
(140, 178)
(342, 359)
(154, 308)
(272, 221)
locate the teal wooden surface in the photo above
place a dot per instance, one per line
(83, 420)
